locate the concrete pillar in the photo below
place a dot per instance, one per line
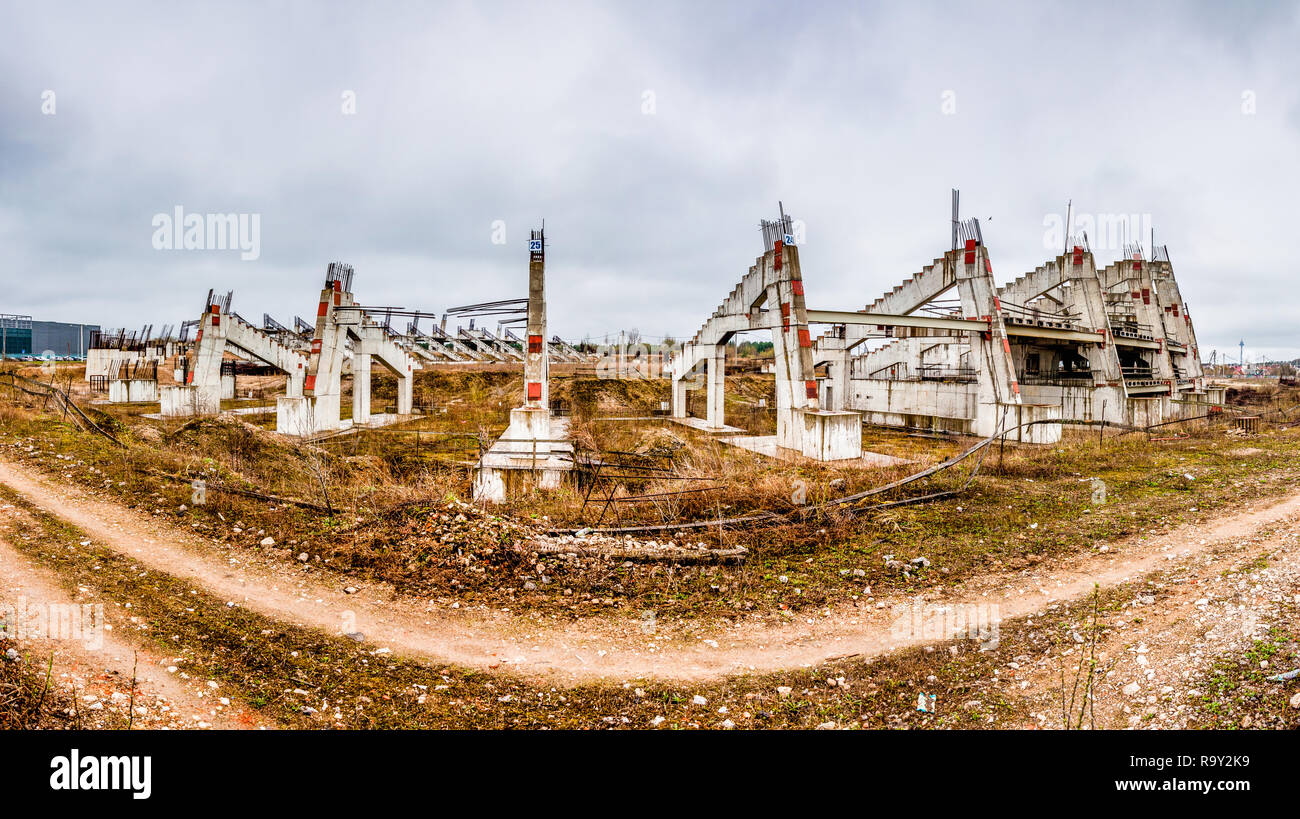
(679, 396)
(716, 387)
(996, 387)
(405, 394)
(293, 387)
(361, 388)
(536, 362)
(837, 365)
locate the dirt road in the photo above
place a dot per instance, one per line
(609, 648)
(99, 666)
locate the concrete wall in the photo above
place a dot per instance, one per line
(1083, 402)
(179, 400)
(132, 390)
(922, 398)
(1045, 423)
(99, 360)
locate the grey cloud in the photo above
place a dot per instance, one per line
(468, 114)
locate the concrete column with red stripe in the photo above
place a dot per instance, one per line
(795, 335)
(325, 360)
(978, 292)
(536, 361)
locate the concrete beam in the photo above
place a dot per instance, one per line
(970, 325)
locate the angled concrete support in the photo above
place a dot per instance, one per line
(340, 321)
(218, 333)
(769, 297)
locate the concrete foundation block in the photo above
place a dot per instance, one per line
(1047, 431)
(177, 401)
(827, 435)
(529, 431)
(132, 391)
(525, 458)
(306, 415)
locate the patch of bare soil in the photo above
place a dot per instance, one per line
(1162, 652)
(600, 648)
(89, 662)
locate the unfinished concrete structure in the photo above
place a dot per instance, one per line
(950, 364)
(117, 353)
(340, 323)
(1065, 341)
(346, 338)
(769, 297)
(132, 382)
(535, 449)
(475, 345)
(207, 377)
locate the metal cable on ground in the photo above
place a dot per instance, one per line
(776, 517)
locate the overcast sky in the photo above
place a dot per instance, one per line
(651, 137)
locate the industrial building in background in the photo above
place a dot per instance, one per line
(24, 336)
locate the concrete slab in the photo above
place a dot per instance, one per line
(703, 426)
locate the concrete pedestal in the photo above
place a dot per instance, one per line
(132, 391)
(306, 415)
(828, 435)
(180, 400)
(533, 453)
